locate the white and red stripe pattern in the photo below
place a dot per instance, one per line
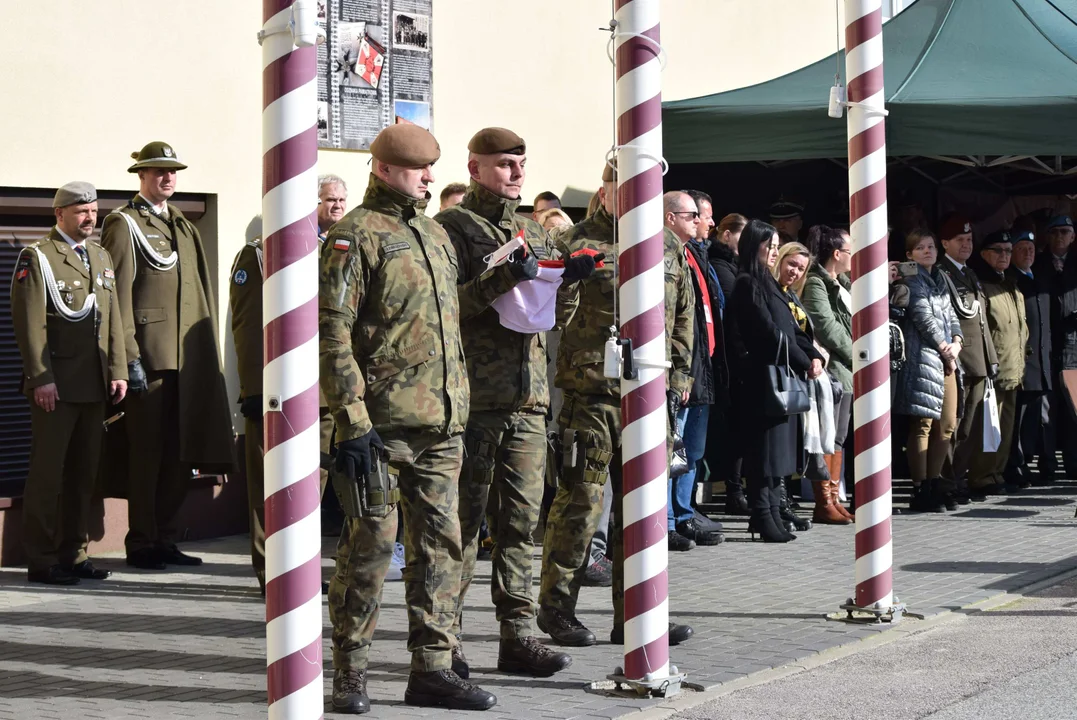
(290, 376)
(871, 343)
(643, 401)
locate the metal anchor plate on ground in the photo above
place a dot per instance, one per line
(667, 686)
(875, 614)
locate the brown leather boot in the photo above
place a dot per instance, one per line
(825, 511)
(835, 482)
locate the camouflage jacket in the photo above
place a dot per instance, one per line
(507, 368)
(585, 313)
(391, 356)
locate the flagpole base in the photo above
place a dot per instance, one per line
(875, 614)
(665, 687)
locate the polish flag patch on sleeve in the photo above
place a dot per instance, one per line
(341, 244)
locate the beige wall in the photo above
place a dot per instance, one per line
(86, 83)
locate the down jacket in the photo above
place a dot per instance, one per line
(929, 321)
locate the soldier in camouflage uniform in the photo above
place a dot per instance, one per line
(591, 421)
(505, 441)
(392, 370)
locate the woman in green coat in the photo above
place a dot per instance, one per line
(827, 300)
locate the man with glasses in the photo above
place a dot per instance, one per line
(1009, 334)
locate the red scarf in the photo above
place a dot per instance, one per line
(701, 281)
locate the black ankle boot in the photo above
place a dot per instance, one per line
(446, 689)
(735, 502)
(761, 521)
(349, 692)
(786, 513)
(775, 507)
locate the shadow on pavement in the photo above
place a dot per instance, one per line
(127, 659)
(39, 685)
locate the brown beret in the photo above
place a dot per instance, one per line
(954, 225)
(609, 171)
(494, 140)
(75, 193)
(406, 145)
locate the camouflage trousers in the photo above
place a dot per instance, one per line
(503, 478)
(427, 465)
(573, 517)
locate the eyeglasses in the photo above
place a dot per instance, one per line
(847, 251)
(694, 214)
(1000, 251)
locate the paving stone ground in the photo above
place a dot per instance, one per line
(191, 644)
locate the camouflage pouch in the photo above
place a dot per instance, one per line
(347, 492)
(381, 487)
(597, 465)
(553, 459)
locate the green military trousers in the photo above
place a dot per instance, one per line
(427, 465)
(64, 454)
(503, 477)
(254, 453)
(577, 506)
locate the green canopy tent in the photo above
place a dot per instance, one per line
(963, 78)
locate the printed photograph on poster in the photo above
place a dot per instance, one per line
(411, 32)
(412, 112)
(323, 121)
(321, 11)
(359, 56)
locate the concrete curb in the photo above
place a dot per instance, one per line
(906, 628)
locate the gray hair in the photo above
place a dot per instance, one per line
(324, 180)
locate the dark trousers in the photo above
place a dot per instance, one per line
(968, 440)
(1033, 436)
(1065, 424)
(157, 482)
(64, 453)
(722, 453)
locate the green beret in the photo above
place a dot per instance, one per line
(75, 193)
(406, 145)
(156, 154)
(494, 140)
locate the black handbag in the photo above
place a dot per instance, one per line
(785, 393)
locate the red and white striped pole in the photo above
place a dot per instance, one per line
(290, 376)
(871, 336)
(638, 108)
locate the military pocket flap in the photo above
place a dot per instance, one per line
(390, 364)
(146, 316)
(588, 357)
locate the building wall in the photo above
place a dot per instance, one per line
(87, 83)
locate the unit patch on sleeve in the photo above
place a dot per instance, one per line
(240, 277)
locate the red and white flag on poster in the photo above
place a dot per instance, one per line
(370, 62)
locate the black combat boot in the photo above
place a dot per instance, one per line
(677, 634)
(349, 692)
(446, 689)
(459, 662)
(564, 628)
(528, 656)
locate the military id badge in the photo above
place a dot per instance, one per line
(371, 61)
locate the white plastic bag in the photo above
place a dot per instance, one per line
(992, 427)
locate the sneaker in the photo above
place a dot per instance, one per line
(396, 565)
(678, 542)
(704, 523)
(691, 530)
(598, 574)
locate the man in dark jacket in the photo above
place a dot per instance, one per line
(977, 358)
(1034, 433)
(687, 221)
(1057, 270)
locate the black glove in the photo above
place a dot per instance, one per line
(673, 398)
(251, 407)
(136, 376)
(581, 266)
(523, 268)
(353, 456)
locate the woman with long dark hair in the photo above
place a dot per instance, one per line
(763, 324)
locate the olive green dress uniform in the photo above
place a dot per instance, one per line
(592, 408)
(81, 358)
(977, 359)
(245, 299)
(183, 421)
(505, 442)
(392, 360)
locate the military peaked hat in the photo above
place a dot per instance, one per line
(783, 209)
(75, 193)
(406, 145)
(156, 154)
(494, 140)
